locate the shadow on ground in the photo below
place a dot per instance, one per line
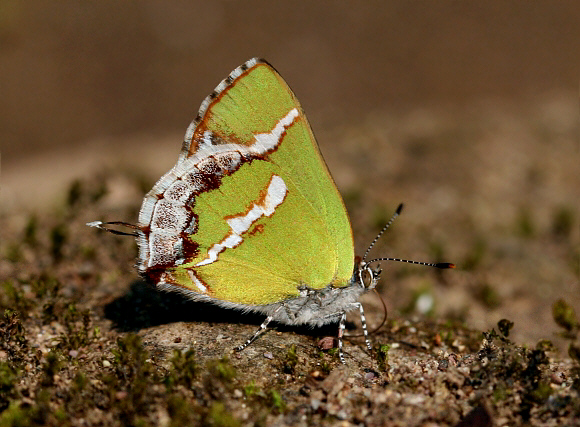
(142, 306)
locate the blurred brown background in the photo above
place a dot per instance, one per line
(466, 110)
(73, 71)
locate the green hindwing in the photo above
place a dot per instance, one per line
(250, 213)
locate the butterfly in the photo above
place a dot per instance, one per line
(249, 218)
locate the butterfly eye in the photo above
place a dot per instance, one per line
(368, 277)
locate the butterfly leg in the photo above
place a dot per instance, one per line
(363, 320)
(259, 332)
(340, 335)
(341, 327)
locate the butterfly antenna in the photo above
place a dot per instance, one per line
(387, 225)
(442, 265)
(104, 226)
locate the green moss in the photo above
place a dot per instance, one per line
(183, 369)
(181, 411)
(251, 389)
(332, 351)
(80, 382)
(219, 416)
(535, 360)
(52, 365)
(545, 345)
(45, 286)
(541, 393)
(276, 402)
(129, 356)
(564, 315)
(133, 375)
(61, 416)
(13, 336)
(518, 373)
(500, 392)
(40, 412)
(18, 415)
(291, 360)
(325, 367)
(77, 323)
(504, 326)
(383, 357)
(13, 298)
(268, 401)
(14, 416)
(8, 378)
(221, 369)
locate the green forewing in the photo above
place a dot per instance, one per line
(307, 240)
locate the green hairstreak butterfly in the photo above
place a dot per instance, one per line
(249, 218)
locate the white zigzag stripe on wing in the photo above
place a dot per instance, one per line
(275, 195)
(164, 244)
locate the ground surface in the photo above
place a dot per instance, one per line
(489, 182)
(74, 302)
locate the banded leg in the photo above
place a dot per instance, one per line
(342, 326)
(364, 325)
(259, 332)
(340, 335)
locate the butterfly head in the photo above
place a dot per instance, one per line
(366, 277)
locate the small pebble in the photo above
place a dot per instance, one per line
(316, 374)
(326, 343)
(370, 375)
(106, 363)
(268, 355)
(314, 404)
(120, 395)
(558, 378)
(437, 340)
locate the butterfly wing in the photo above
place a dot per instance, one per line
(250, 213)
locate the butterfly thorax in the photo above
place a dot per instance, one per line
(318, 307)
